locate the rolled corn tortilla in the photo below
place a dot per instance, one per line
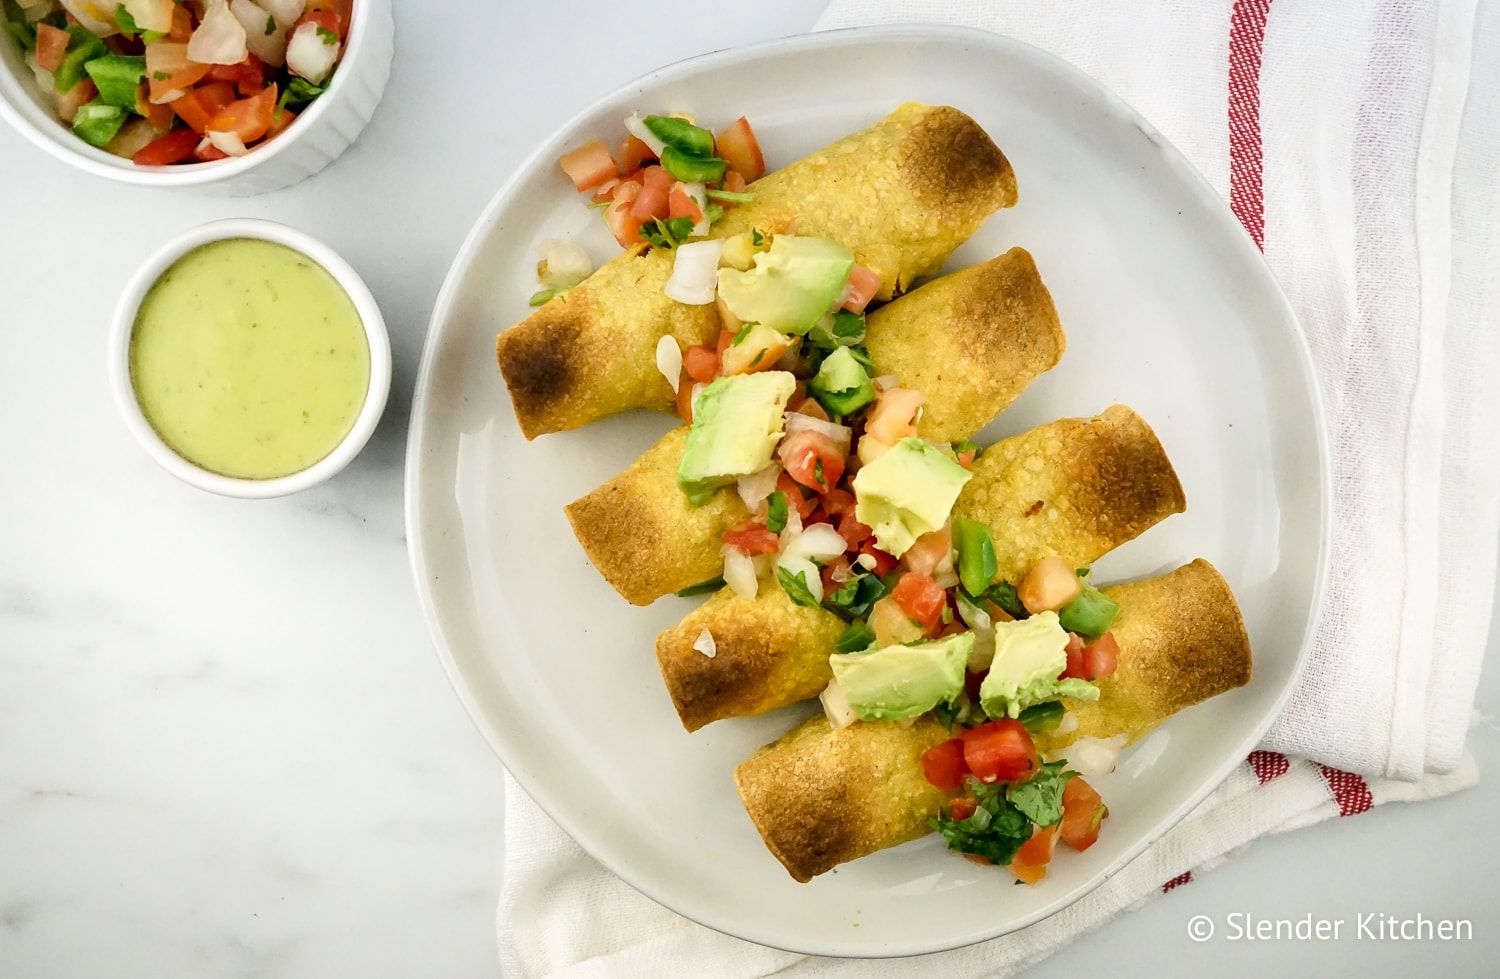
(1079, 488)
(992, 328)
(821, 797)
(900, 195)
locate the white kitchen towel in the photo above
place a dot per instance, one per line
(1358, 141)
(1355, 143)
(563, 915)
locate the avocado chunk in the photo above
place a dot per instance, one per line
(841, 384)
(736, 425)
(1029, 655)
(792, 285)
(906, 492)
(897, 682)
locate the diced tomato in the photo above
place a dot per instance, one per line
(893, 627)
(1030, 861)
(929, 551)
(944, 766)
(589, 165)
(1049, 585)
(161, 117)
(681, 205)
(701, 363)
(247, 118)
(248, 77)
(201, 104)
(174, 147)
(884, 562)
(837, 502)
(734, 182)
(1075, 668)
(1083, 813)
(685, 398)
(894, 416)
(625, 226)
(752, 538)
(966, 458)
(280, 119)
(633, 154)
(1000, 751)
(1101, 656)
(863, 285)
(169, 73)
(741, 149)
(921, 598)
(812, 459)
(51, 45)
(962, 808)
(650, 203)
(797, 496)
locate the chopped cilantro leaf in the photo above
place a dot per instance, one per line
(739, 337)
(795, 586)
(855, 597)
(756, 238)
(1040, 799)
(701, 588)
(161, 76)
(776, 512)
(1003, 594)
(667, 233)
(329, 37)
(856, 637)
(270, 26)
(995, 831)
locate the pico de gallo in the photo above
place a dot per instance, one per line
(164, 82)
(668, 179)
(851, 511)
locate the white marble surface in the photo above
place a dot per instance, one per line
(226, 748)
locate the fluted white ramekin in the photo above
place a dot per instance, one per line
(314, 140)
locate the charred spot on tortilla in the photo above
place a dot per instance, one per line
(700, 686)
(538, 363)
(1035, 508)
(1132, 481)
(950, 159)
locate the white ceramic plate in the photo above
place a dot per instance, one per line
(1167, 307)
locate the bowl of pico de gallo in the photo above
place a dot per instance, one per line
(230, 96)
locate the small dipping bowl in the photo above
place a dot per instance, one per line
(128, 401)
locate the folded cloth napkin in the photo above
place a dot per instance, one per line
(1354, 144)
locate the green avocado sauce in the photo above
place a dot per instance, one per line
(249, 359)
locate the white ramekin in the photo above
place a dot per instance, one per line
(314, 140)
(364, 304)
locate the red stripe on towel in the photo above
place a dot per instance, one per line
(1186, 877)
(1268, 765)
(1247, 35)
(1350, 791)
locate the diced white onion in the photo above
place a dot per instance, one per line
(219, 39)
(669, 360)
(755, 487)
(39, 10)
(1068, 724)
(43, 76)
(695, 271)
(793, 525)
(270, 48)
(699, 195)
(133, 137)
(978, 621)
(705, 644)
(637, 128)
(739, 573)
(308, 55)
(228, 142)
(836, 706)
(693, 398)
(866, 561)
(155, 15)
(30, 5)
(1094, 756)
(819, 543)
(886, 381)
(840, 434)
(286, 12)
(945, 579)
(97, 15)
(563, 264)
(793, 564)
